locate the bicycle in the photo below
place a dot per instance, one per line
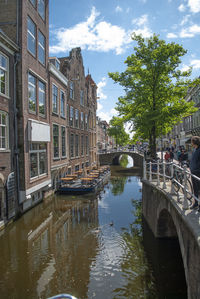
(178, 182)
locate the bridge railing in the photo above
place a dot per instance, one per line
(173, 176)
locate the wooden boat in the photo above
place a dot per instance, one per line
(83, 185)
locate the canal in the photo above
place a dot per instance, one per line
(94, 246)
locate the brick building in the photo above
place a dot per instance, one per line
(27, 24)
(51, 103)
(8, 194)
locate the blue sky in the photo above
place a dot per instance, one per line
(103, 31)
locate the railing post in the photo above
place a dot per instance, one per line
(172, 176)
(185, 201)
(158, 173)
(164, 178)
(150, 172)
(144, 169)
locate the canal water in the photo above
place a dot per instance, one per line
(92, 246)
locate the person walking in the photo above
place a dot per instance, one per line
(195, 169)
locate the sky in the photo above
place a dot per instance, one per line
(103, 28)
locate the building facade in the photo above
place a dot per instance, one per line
(8, 192)
(47, 109)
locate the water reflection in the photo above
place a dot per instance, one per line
(90, 246)
(118, 184)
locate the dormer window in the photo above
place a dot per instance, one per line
(57, 64)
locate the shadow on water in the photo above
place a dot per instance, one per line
(165, 257)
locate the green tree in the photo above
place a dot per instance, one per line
(117, 131)
(154, 89)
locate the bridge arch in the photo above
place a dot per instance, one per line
(112, 158)
(166, 219)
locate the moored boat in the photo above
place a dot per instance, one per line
(91, 183)
(63, 296)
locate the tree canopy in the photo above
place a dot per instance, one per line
(154, 89)
(117, 131)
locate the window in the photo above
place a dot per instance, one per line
(38, 159)
(82, 145)
(71, 118)
(3, 74)
(31, 40)
(41, 8)
(76, 167)
(3, 130)
(55, 141)
(41, 47)
(63, 138)
(33, 2)
(62, 103)
(86, 145)
(82, 121)
(32, 92)
(77, 146)
(42, 97)
(71, 90)
(71, 144)
(82, 98)
(55, 99)
(76, 118)
(57, 64)
(67, 114)
(86, 122)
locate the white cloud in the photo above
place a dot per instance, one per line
(100, 86)
(185, 68)
(92, 35)
(118, 9)
(194, 5)
(171, 35)
(185, 20)
(182, 8)
(142, 21)
(190, 31)
(142, 26)
(195, 63)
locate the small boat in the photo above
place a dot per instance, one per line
(62, 296)
(83, 185)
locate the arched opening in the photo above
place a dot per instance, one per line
(123, 160)
(165, 226)
(165, 258)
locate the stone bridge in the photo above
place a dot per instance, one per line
(167, 219)
(112, 158)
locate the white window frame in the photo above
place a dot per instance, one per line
(71, 90)
(5, 128)
(63, 127)
(5, 70)
(38, 152)
(35, 88)
(54, 86)
(55, 157)
(44, 94)
(82, 98)
(62, 103)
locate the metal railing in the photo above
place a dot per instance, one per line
(178, 179)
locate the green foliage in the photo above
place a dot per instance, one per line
(155, 89)
(117, 131)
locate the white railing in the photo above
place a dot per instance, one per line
(173, 176)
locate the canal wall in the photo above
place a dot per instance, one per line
(167, 219)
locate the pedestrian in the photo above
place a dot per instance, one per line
(195, 169)
(171, 155)
(167, 156)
